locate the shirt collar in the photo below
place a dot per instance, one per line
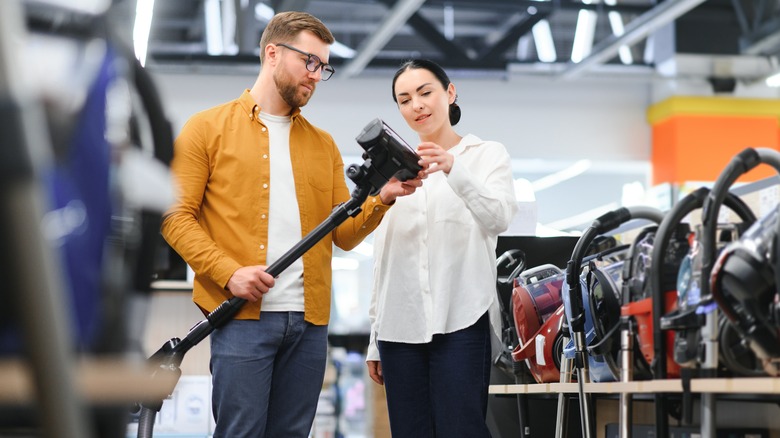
(468, 141)
(252, 109)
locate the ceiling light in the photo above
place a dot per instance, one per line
(391, 24)
(638, 28)
(449, 22)
(545, 48)
(341, 50)
(264, 12)
(583, 34)
(773, 81)
(93, 7)
(213, 15)
(143, 24)
(616, 22)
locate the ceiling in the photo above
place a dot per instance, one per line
(479, 37)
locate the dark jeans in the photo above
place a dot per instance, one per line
(267, 376)
(439, 389)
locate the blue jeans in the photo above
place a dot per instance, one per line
(267, 376)
(439, 389)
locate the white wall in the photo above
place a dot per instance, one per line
(533, 117)
(546, 124)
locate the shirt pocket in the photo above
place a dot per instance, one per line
(319, 171)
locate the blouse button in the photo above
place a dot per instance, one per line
(265, 186)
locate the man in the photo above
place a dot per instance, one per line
(255, 177)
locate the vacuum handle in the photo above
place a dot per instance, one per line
(228, 309)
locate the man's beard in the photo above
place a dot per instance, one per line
(289, 91)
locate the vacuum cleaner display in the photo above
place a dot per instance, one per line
(672, 239)
(743, 284)
(685, 321)
(515, 253)
(637, 293)
(744, 278)
(678, 336)
(575, 297)
(603, 290)
(743, 162)
(537, 307)
(96, 225)
(509, 266)
(386, 156)
(101, 149)
(601, 282)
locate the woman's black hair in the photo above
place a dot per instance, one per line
(440, 74)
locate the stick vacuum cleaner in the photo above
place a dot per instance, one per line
(677, 326)
(574, 302)
(386, 155)
(748, 305)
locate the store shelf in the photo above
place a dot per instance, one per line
(757, 385)
(104, 381)
(171, 285)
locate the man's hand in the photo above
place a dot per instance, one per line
(250, 282)
(375, 371)
(395, 188)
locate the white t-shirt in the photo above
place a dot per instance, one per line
(434, 252)
(284, 221)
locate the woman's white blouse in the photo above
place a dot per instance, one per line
(434, 252)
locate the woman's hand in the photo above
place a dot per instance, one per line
(434, 158)
(375, 371)
(395, 188)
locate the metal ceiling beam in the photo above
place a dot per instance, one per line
(761, 35)
(763, 41)
(741, 16)
(428, 30)
(557, 4)
(247, 26)
(637, 29)
(290, 5)
(398, 16)
(496, 51)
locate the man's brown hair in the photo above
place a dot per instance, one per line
(284, 27)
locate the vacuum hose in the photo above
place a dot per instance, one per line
(146, 423)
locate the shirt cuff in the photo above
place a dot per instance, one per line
(375, 204)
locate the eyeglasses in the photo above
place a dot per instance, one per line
(313, 62)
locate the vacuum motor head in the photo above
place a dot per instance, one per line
(387, 155)
(744, 283)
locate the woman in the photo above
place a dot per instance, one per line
(434, 297)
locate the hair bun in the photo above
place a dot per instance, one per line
(454, 114)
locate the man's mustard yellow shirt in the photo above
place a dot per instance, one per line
(220, 220)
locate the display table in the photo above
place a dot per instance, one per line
(103, 381)
(748, 401)
(740, 385)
